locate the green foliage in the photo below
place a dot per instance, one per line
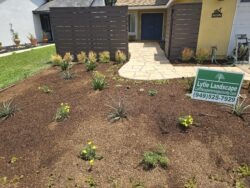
(62, 112)
(243, 171)
(90, 65)
(88, 152)
(120, 57)
(45, 89)
(104, 57)
(98, 81)
(239, 183)
(152, 92)
(190, 84)
(239, 109)
(7, 109)
(64, 65)
(67, 75)
(118, 112)
(201, 56)
(153, 158)
(191, 183)
(91, 182)
(186, 121)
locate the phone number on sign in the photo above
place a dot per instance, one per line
(213, 97)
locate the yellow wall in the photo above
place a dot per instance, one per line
(216, 31)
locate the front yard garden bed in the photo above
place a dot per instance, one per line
(37, 151)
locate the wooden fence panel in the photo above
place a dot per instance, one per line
(90, 28)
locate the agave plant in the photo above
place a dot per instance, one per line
(239, 109)
(118, 112)
(7, 109)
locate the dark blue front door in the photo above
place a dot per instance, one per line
(151, 26)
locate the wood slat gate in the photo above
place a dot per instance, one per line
(184, 28)
(93, 28)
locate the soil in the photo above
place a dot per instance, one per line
(47, 152)
(205, 63)
(14, 48)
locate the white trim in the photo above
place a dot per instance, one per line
(136, 26)
(146, 7)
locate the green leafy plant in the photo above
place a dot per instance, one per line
(239, 109)
(191, 183)
(45, 89)
(152, 92)
(243, 171)
(120, 57)
(62, 112)
(98, 81)
(64, 65)
(186, 121)
(7, 109)
(153, 158)
(90, 65)
(104, 57)
(118, 111)
(56, 60)
(92, 57)
(68, 57)
(187, 54)
(190, 84)
(239, 183)
(81, 57)
(91, 182)
(201, 56)
(67, 75)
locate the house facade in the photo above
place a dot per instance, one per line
(17, 15)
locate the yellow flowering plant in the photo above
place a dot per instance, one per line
(98, 81)
(186, 121)
(62, 112)
(120, 57)
(56, 60)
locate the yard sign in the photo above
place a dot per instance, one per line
(217, 86)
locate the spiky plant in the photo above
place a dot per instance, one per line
(239, 109)
(7, 109)
(118, 112)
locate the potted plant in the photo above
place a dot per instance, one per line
(32, 39)
(16, 39)
(45, 37)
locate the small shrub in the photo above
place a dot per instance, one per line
(239, 108)
(45, 89)
(152, 92)
(187, 54)
(191, 183)
(118, 112)
(68, 57)
(67, 75)
(190, 84)
(153, 158)
(62, 112)
(7, 109)
(243, 171)
(186, 121)
(90, 66)
(91, 182)
(88, 152)
(104, 57)
(81, 57)
(201, 56)
(120, 57)
(64, 65)
(56, 60)
(92, 57)
(98, 81)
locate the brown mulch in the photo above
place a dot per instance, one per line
(47, 152)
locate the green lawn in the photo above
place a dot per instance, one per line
(17, 67)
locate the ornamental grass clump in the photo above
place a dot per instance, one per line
(62, 112)
(186, 121)
(81, 57)
(104, 57)
(7, 109)
(118, 112)
(187, 54)
(68, 57)
(98, 81)
(202, 55)
(92, 57)
(64, 65)
(239, 109)
(56, 60)
(152, 159)
(120, 57)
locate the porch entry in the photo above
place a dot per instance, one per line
(151, 26)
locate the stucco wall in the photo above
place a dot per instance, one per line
(19, 14)
(241, 24)
(216, 31)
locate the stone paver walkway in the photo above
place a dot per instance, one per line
(148, 62)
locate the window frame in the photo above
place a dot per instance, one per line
(136, 21)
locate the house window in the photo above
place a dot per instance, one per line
(132, 20)
(245, 1)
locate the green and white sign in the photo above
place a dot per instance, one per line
(217, 86)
